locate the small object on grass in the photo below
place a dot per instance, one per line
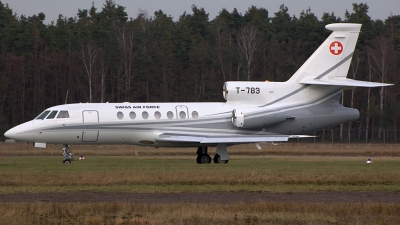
(369, 161)
(81, 157)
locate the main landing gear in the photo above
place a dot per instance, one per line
(204, 158)
(68, 155)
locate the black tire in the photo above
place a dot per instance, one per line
(217, 159)
(203, 159)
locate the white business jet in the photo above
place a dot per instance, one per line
(253, 112)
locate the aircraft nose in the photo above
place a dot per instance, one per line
(12, 133)
(21, 132)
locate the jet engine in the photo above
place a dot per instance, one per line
(248, 92)
(256, 118)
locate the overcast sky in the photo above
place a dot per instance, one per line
(378, 9)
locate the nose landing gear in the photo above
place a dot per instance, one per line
(68, 155)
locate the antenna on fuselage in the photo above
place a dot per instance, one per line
(66, 96)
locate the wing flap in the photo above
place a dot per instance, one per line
(178, 138)
(244, 139)
(233, 139)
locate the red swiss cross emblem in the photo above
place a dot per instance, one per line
(336, 48)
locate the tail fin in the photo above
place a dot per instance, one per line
(330, 63)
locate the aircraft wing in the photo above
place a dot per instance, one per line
(343, 82)
(234, 139)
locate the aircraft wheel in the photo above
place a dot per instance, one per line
(203, 159)
(217, 159)
(66, 161)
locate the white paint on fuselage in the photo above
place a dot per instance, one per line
(111, 129)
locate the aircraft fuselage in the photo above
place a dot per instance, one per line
(142, 123)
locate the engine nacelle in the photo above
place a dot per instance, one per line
(256, 118)
(249, 92)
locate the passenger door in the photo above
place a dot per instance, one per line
(90, 133)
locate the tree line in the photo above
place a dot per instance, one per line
(102, 55)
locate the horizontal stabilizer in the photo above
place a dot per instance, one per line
(343, 82)
(226, 139)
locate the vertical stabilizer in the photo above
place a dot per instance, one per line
(332, 59)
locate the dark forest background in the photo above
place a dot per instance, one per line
(102, 55)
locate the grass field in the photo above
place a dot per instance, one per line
(33, 174)
(282, 168)
(309, 149)
(175, 170)
(195, 213)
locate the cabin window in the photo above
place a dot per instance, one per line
(120, 115)
(157, 115)
(43, 115)
(182, 114)
(195, 115)
(52, 115)
(132, 115)
(145, 115)
(63, 114)
(170, 115)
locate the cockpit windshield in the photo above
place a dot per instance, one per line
(52, 114)
(63, 114)
(43, 115)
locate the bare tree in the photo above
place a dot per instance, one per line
(248, 41)
(218, 32)
(89, 57)
(368, 98)
(104, 68)
(382, 57)
(125, 38)
(225, 49)
(354, 68)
